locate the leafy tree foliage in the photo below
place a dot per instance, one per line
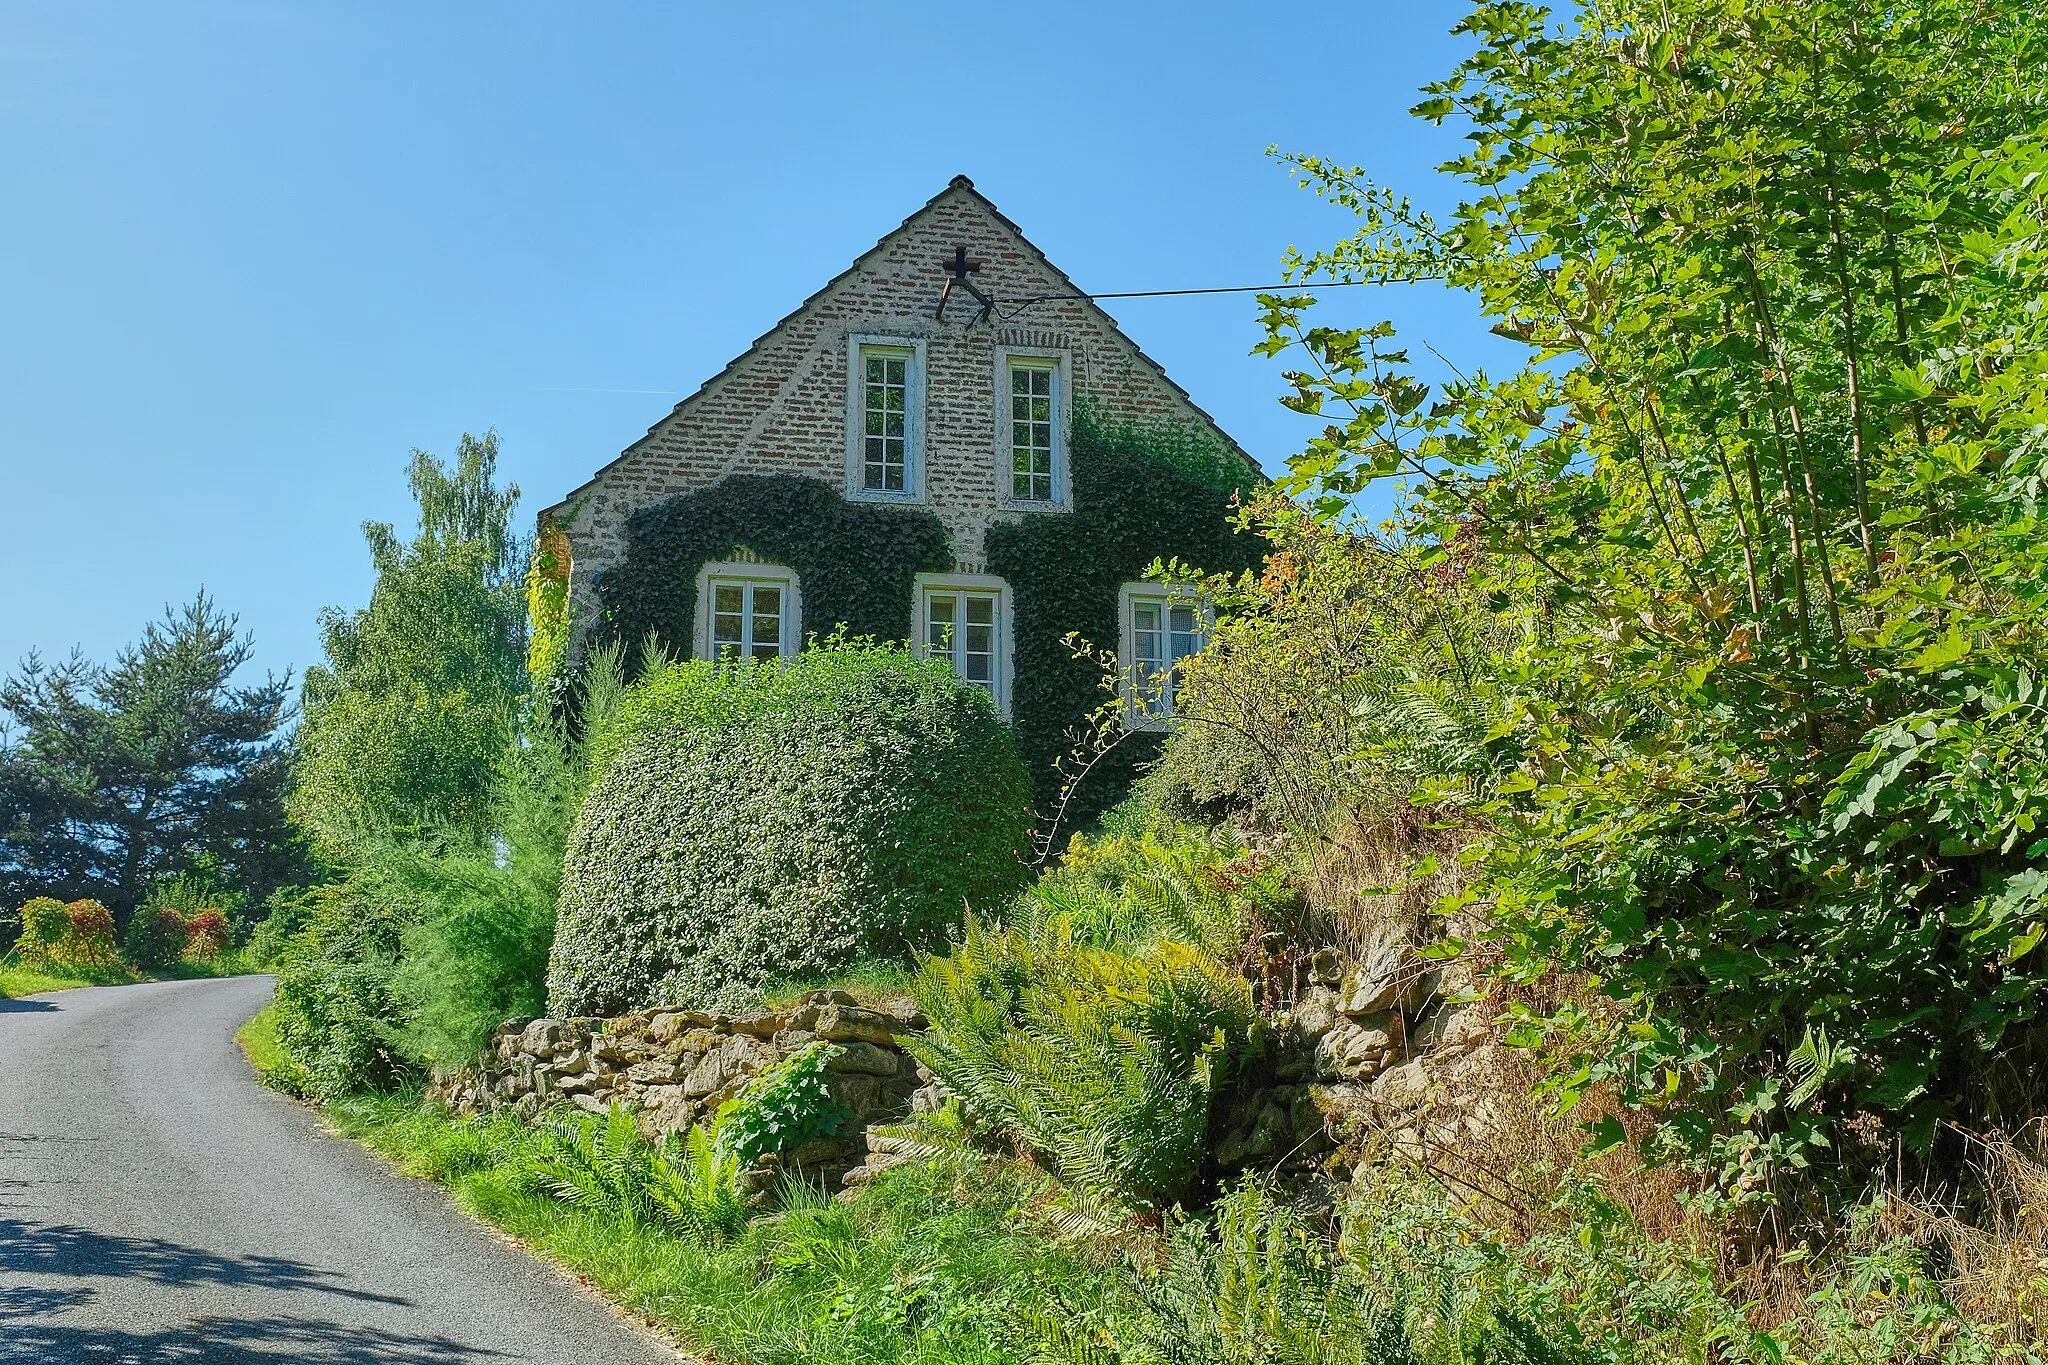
(407, 720)
(1770, 478)
(122, 774)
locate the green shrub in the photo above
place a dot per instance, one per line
(754, 821)
(783, 1108)
(44, 922)
(285, 911)
(156, 937)
(338, 1019)
(1103, 1062)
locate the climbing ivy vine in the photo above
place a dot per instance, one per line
(1141, 494)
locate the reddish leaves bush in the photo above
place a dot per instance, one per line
(207, 934)
(89, 941)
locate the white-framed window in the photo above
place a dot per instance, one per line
(885, 419)
(1031, 428)
(748, 611)
(965, 620)
(1161, 627)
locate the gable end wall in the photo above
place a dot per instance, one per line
(781, 407)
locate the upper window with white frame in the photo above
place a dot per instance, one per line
(884, 458)
(964, 619)
(1033, 421)
(1162, 628)
(1031, 430)
(747, 611)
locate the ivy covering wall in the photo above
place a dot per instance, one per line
(856, 563)
(1141, 493)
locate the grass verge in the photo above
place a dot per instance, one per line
(934, 1264)
(18, 979)
(261, 1045)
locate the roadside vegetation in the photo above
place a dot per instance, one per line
(1687, 716)
(61, 946)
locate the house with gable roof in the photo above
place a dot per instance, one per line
(948, 444)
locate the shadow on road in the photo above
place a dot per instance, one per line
(55, 1249)
(20, 1302)
(10, 1005)
(236, 1341)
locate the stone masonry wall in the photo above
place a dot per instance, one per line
(677, 1066)
(781, 407)
(1378, 1051)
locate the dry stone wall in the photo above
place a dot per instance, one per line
(1379, 1052)
(675, 1067)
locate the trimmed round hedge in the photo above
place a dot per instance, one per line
(756, 821)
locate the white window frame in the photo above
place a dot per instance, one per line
(1138, 709)
(747, 571)
(913, 411)
(1034, 357)
(1006, 634)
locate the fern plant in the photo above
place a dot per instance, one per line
(695, 1189)
(688, 1184)
(598, 1162)
(1103, 1063)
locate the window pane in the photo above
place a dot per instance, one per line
(1031, 433)
(728, 619)
(1186, 633)
(885, 407)
(1150, 640)
(940, 614)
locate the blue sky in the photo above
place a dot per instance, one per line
(253, 253)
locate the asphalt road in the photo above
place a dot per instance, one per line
(158, 1205)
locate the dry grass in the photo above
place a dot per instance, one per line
(1360, 877)
(1989, 1242)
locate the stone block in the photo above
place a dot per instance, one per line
(1358, 1049)
(1315, 1014)
(1388, 976)
(838, 1023)
(765, 1024)
(861, 1094)
(707, 1075)
(866, 1058)
(1401, 1089)
(904, 1011)
(817, 1153)
(665, 1107)
(669, 1025)
(541, 1037)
